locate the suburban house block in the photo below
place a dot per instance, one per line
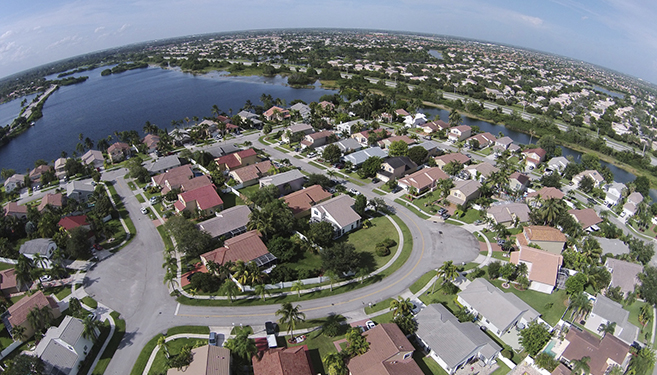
(395, 167)
(422, 180)
(247, 247)
(35, 174)
(534, 157)
(484, 139)
(434, 126)
(518, 181)
(118, 151)
(16, 210)
(45, 247)
(302, 129)
(237, 160)
(63, 348)
(451, 343)
(557, 164)
(207, 360)
(338, 211)
(390, 353)
(502, 144)
(542, 267)
(359, 157)
(587, 218)
(595, 175)
(249, 175)
(173, 178)
(300, 202)
(195, 183)
(385, 143)
(151, 141)
(317, 139)
(276, 114)
(204, 199)
(283, 361)
(16, 314)
(14, 182)
(614, 193)
(303, 109)
(286, 182)
(80, 190)
(8, 283)
(55, 200)
(547, 238)
(606, 311)
(347, 127)
(623, 274)
(60, 170)
(411, 121)
(481, 171)
(228, 223)
(247, 116)
(94, 158)
(603, 354)
(535, 198)
(432, 148)
(508, 213)
(499, 311)
(464, 191)
(632, 203)
(443, 160)
(163, 164)
(363, 137)
(346, 145)
(459, 133)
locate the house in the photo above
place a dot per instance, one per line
(286, 182)
(303, 110)
(614, 193)
(317, 139)
(606, 311)
(228, 223)
(326, 105)
(60, 168)
(542, 267)
(518, 181)
(483, 139)
(459, 133)
(237, 160)
(422, 180)
(499, 311)
(16, 210)
(434, 126)
(204, 199)
(411, 121)
(94, 158)
(390, 353)
(276, 114)
(301, 201)
(195, 183)
(251, 117)
(401, 112)
(481, 171)
(301, 129)
(346, 146)
(593, 174)
(458, 157)
(222, 149)
(623, 274)
(151, 141)
(180, 137)
(453, 344)
(118, 151)
(72, 222)
(395, 167)
(363, 137)
(431, 147)
(247, 247)
(534, 157)
(587, 218)
(283, 361)
(359, 157)
(557, 164)
(80, 190)
(535, 198)
(250, 174)
(8, 283)
(173, 178)
(502, 144)
(51, 200)
(463, 192)
(161, 165)
(35, 174)
(603, 354)
(507, 214)
(45, 247)
(207, 360)
(613, 246)
(338, 211)
(63, 348)
(16, 314)
(632, 203)
(547, 238)
(385, 143)
(14, 182)
(349, 126)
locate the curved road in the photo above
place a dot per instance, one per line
(130, 281)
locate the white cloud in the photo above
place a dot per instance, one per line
(69, 40)
(99, 29)
(123, 28)
(7, 34)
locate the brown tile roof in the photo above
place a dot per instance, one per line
(521, 178)
(424, 178)
(543, 233)
(151, 140)
(454, 156)
(195, 183)
(246, 247)
(18, 311)
(207, 360)
(13, 208)
(584, 344)
(252, 172)
(234, 160)
(55, 200)
(38, 171)
(547, 193)
(385, 356)
(70, 222)
(543, 266)
(8, 279)
(405, 138)
(175, 177)
(206, 197)
(302, 200)
(586, 217)
(282, 361)
(319, 135)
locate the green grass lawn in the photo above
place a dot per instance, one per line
(114, 342)
(140, 198)
(471, 216)
(175, 346)
(89, 302)
(419, 213)
(550, 306)
(204, 330)
(249, 190)
(500, 255)
(231, 200)
(6, 266)
(438, 296)
(86, 364)
(365, 240)
(634, 310)
(317, 165)
(378, 306)
(422, 281)
(427, 364)
(319, 346)
(60, 292)
(168, 244)
(379, 192)
(503, 370)
(427, 203)
(132, 185)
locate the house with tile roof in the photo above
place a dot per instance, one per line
(9, 284)
(151, 141)
(316, 139)
(72, 222)
(453, 344)
(205, 200)
(227, 223)
(276, 114)
(249, 175)
(433, 148)
(16, 314)
(80, 190)
(385, 143)
(508, 213)
(547, 238)
(502, 144)
(60, 168)
(443, 160)
(390, 353)
(247, 247)
(173, 178)
(195, 183)
(119, 151)
(286, 182)
(459, 133)
(557, 164)
(338, 211)
(63, 348)
(54, 200)
(535, 198)
(481, 171)
(35, 174)
(207, 360)
(542, 267)
(423, 180)
(632, 203)
(16, 181)
(93, 157)
(603, 353)
(434, 126)
(346, 146)
(16, 210)
(499, 311)
(303, 109)
(587, 217)
(301, 201)
(302, 129)
(464, 191)
(283, 361)
(363, 137)
(534, 157)
(623, 274)
(606, 311)
(593, 174)
(237, 160)
(395, 167)
(484, 139)
(518, 181)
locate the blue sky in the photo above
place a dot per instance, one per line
(618, 34)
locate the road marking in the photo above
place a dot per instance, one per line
(177, 309)
(335, 304)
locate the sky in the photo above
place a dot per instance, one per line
(617, 34)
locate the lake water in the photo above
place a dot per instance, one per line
(10, 110)
(610, 93)
(436, 54)
(125, 101)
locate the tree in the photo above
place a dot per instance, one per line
(318, 179)
(609, 327)
(189, 239)
(579, 306)
(401, 306)
(25, 364)
(290, 315)
(454, 118)
(334, 364)
(406, 323)
(642, 185)
(23, 270)
(78, 243)
(241, 345)
(282, 248)
(18, 333)
(576, 284)
(321, 233)
(298, 286)
(370, 167)
(418, 154)
(642, 362)
(494, 269)
(360, 204)
(230, 289)
(340, 258)
(545, 361)
(91, 325)
(378, 204)
(580, 366)
(448, 271)
(645, 314)
(453, 168)
(398, 148)
(534, 337)
(549, 144)
(261, 291)
(332, 153)
(586, 184)
(274, 217)
(163, 345)
(648, 287)
(356, 342)
(334, 325)
(267, 128)
(332, 276)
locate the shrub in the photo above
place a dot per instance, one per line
(382, 251)
(507, 353)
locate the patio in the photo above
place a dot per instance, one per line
(512, 338)
(477, 368)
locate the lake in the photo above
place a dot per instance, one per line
(436, 54)
(125, 101)
(610, 93)
(10, 110)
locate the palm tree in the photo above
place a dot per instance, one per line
(230, 289)
(448, 271)
(454, 118)
(90, 326)
(242, 345)
(170, 280)
(261, 291)
(298, 286)
(241, 272)
(581, 366)
(609, 327)
(332, 276)
(362, 274)
(170, 263)
(163, 345)
(645, 314)
(579, 306)
(551, 210)
(290, 316)
(24, 270)
(18, 333)
(334, 364)
(401, 306)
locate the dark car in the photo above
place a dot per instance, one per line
(270, 328)
(375, 180)
(501, 242)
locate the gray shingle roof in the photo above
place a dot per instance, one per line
(226, 221)
(613, 312)
(57, 348)
(359, 157)
(624, 274)
(37, 245)
(164, 163)
(282, 178)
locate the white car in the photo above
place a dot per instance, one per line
(144, 210)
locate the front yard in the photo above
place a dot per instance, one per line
(550, 306)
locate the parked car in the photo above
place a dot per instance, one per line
(144, 210)
(375, 180)
(270, 328)
(370, 324)
(212, 340)
(97, 247)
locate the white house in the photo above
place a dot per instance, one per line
(632, 204)
(413, 121)
(338, 211)
(593, 174)
(607, 311)
(557, 164)
(64, 347)
(614, 193)
(16, 181)
(346, 127)
(459, 133)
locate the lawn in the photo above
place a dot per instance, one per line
(422, 281)
(471, 216)
(86, 364)
(634, 310)
(89, 302)
(438, 296)
(60, 291)
(140, 198)
(114, 342)
(503, 370)
(231, 200)
(419, 213)
(168, 244)
(140, 364)
(317, 165)
(175, 346)
(365, 241)
(319, 346)
(499, 255)
(379, 192)
(6, 266)
(427, 202)
(204, 330)
(249, 190)
(378, 306)
(550, 306)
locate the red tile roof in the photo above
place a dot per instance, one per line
(70, 222)
(302, 200)
(385, 356)
(583, 344)
(543, 233)
(246, 247)
(13, 208)
(8, 279)
(55, 200)
(206, 197)
(234, 160)
(18, 311)
(282, 361)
